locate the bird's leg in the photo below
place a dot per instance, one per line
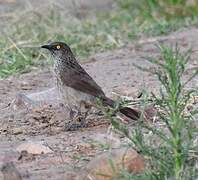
(71, 124)
(85, 109)
(72, 114)
(78, 118)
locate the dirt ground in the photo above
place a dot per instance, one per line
(71, 151)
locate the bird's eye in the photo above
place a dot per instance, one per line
(57, 47)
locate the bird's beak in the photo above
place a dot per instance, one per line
(46, 47)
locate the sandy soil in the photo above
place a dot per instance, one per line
(114, 71)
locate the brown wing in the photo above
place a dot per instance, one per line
(77, 78)
(80, 80)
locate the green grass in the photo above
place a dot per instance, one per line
(156, 9)
(169, 146)
(19, 44)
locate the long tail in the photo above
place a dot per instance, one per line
(129, 112)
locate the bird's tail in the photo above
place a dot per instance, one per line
(129, 112)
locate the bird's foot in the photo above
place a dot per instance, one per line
(76, 123)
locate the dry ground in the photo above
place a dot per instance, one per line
(114, 71)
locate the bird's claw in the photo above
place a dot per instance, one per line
(76, 123)
(71, 126)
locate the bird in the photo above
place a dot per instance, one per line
(76, 87)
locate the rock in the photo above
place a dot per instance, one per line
(100, 168)
(17, 131)
(35, 100)
(22, 101)
(49, 96)
(34, 148)
(10, 172)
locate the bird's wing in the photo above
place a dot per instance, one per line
(80, 80)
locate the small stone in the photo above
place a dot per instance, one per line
(34, 148)
(17, 131)
(100, 168)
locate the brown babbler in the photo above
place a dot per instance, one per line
(76, 86)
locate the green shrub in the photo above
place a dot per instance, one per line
(169, 146)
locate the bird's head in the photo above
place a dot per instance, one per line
(58, 49)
